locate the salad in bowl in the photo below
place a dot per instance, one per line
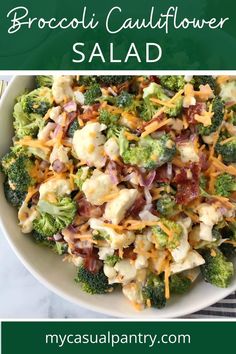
(132, 179)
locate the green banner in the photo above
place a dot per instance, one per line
(117, 337)
(117, 34)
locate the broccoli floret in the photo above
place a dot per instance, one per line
(227, 150)
(203, 182)
(38, 101)
(92, 94)
(62, 212)
(228, 250)
(108, 118)
(173, 83)
(162, 239)
(44, 81)
(124, 99)
(204, 80)
(112, 260)
(112, 80)
(148, 153)
(26, 124)
(93, 283)
(179, 284)
(166, 206)
(225, 184)
(86, 80)
(61, 248)
(114, 131)
(18, 170)
(7, 160)
(232, 229)
(72, 128)
(154, 291)
(45, 225)
(43, 239)
(218, 109)
(14, 197)
(81, 175)
(156, 91)
(216, 270)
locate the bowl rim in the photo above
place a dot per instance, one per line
(206, 302)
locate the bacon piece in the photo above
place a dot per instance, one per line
(87, 210)
(187, 192)
(137, 207)
(90, 256)
(187, 189)
(129, 253)
(190, 112)
(155, 79)
(162, 174)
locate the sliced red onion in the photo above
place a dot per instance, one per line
(112, 91)
(58, 166)
(112, 170)
(70, 107)
(57, 237)
(148, 196)
(146, 181)
(169, 170)
(57, 130)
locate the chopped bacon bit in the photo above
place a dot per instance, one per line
(190, 112)
(187, 189)
(129, 253)
(137, 207)
(187, 192)
(88, 210)
(182, 177)
(162, 174)
(155, 79)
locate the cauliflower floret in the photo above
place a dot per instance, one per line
(54, 113)
(98, 187)
(179, 253)
(59, 153)
(79, 97)
(187, 152)
(88, 144)
(58, 186)
(112, 149)
(45, 132)
(193, 259)
(114, 239)
(62, 88)
(142, 243)
(209, 215)
(147, 216)
(141, 262)
(115, 209)
(228, 91)
(123, 272)
(104, 252)
(26, 216)
(209, 139)
(133, 291)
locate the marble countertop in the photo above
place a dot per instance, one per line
(22, 296)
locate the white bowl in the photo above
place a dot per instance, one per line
(58, 276)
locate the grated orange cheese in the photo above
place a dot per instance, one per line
(222, 167)
(151, 128)
(166, 279)
(163, 103)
